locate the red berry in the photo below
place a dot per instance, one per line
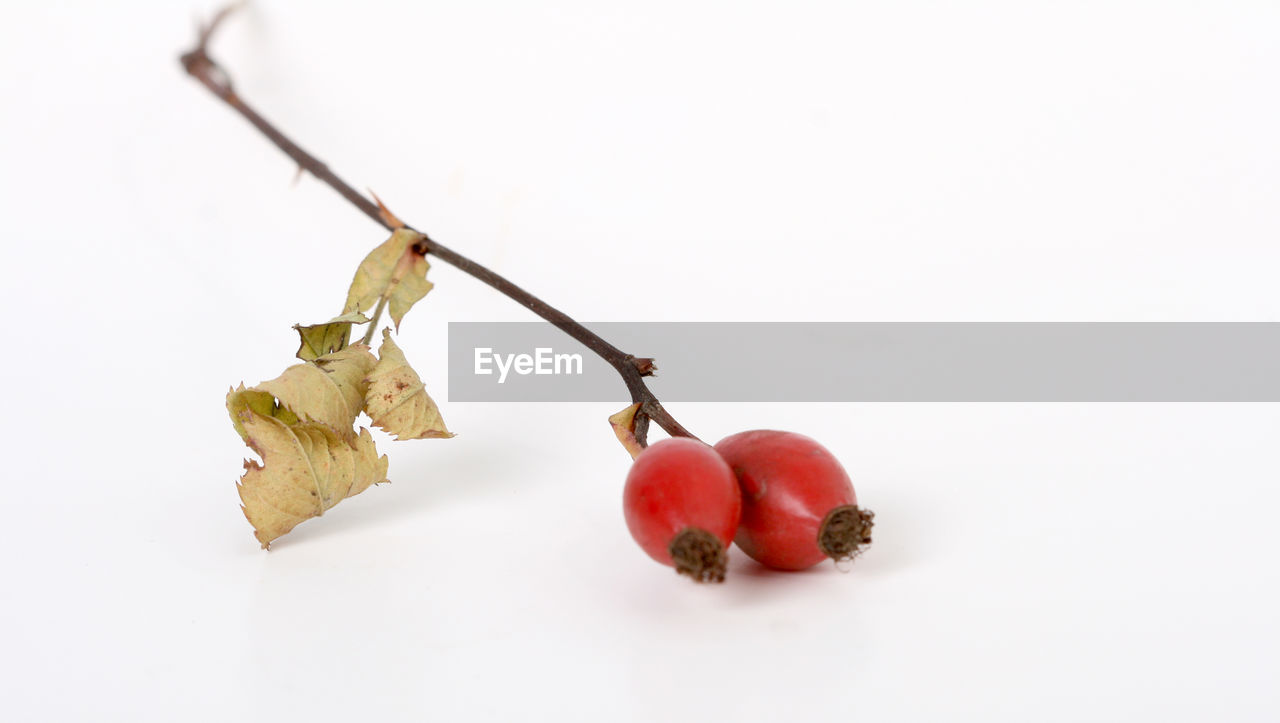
(798, 505)
(682, 505)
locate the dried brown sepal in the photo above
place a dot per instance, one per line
(699, 554)
(846, 532)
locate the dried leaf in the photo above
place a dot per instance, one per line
(333, 335)
(259, 402)
(394, 273)
(329, 391)
(397, 401)
(624, 426)
(306, 470)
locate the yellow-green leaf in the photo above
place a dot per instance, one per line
(624, 426)
(396, 400)
(393, 273)
(241, 399)
(333, 335)
(329, 390)
(306, 469)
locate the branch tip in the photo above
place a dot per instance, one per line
(646, 366)
(199, 65)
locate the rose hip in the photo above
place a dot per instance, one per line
(798, 505)
(682, 504)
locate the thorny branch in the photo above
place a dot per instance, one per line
(203, 68)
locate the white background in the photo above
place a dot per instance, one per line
(873, 161)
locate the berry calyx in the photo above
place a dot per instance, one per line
(845, 532)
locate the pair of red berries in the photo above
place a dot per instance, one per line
(781, 496)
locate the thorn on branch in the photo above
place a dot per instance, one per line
(206, 31)
(388, 217)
